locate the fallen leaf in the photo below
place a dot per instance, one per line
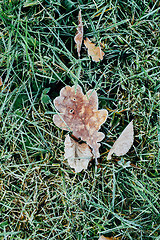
(78, 155)
(107, 238)
(79, 36)
(95, 52)
(103, 238)
(1, 83)
(79, 113)
(123, 143)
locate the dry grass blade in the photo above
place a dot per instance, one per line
(79, 113)
(79, 36)
(124, 142)
(95, 52)
(78, 155)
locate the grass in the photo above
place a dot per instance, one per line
(40, 195)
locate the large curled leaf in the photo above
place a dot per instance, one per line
(95, 52)
(78, 155)
(79, 113)
(123, 143)
(79, 35)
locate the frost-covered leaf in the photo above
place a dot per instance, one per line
(95, 52)
(79, 35)
(123, 143)
(79, 113)
(78, 155)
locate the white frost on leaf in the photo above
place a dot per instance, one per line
(123, 143)
(78, 155)
(79, 113)
(79, 35)
(96, 53)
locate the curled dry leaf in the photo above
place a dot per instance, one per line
(124, 142)
(79, 35)
(78, 155)
(79, 113)
(95, 52)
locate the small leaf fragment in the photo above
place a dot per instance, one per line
(95, 52)
(78, 155)
(123, 143)
(79, 113)
(79, 35)
(107, 238)
(1, 83)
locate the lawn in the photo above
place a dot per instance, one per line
(41, 197)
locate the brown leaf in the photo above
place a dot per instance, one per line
(79, 113)
(95, 52)
(124, 142)
(1, 83)
(78, 155)
(79, 36)
(107, 238)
